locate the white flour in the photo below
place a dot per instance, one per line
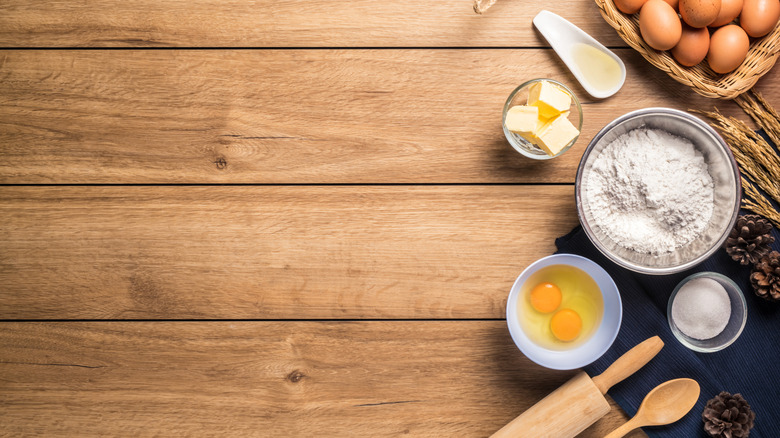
(650, 191)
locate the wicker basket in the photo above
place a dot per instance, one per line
(760, 58)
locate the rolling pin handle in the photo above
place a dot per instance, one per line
(628, 363)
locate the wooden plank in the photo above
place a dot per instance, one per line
(272, 252)
(297, 379)
(292, 116)
(289, 23)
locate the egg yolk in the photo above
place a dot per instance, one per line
(566, 325)
(545, 297)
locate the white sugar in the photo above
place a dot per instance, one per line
(701, 308)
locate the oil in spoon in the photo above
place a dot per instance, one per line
(599, 69)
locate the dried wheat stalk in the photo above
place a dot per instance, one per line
(762, 113)
(756, 158)
(757, 203)
(480, 6)
(754, 155)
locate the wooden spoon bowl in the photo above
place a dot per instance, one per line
(665, 404)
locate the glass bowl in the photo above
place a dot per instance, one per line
(520, 97)
(722, 168)
(733, 328)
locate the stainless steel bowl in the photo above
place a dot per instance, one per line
(722, 167)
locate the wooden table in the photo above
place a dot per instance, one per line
(278, 218)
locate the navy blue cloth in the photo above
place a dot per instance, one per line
(750, 366)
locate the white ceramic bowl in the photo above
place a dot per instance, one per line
(599, 341)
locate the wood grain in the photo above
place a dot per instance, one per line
(272, 252)
(292, 116)
(304, 118)
(297, 379)
(289, 23)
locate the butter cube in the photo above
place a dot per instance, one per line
(556, 134)
(522, 119)
(550, 99)
(532, 136)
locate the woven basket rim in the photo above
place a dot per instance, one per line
(762, 55)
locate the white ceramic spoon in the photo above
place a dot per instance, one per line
(598, 75)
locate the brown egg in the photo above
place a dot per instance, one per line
(699, 13)
(673, 3)
(629, 6)
(729, 10)
(693, 46)
(759, 17)
(659, 25)
(728, 48)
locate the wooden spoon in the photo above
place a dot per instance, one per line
(665, 404)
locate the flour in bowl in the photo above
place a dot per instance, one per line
(650, 191)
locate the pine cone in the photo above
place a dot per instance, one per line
(750, 238)
(728, 416)
(765, 277)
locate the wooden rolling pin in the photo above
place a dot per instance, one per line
(580, 402)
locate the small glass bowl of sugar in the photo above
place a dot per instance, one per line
(707, 312)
